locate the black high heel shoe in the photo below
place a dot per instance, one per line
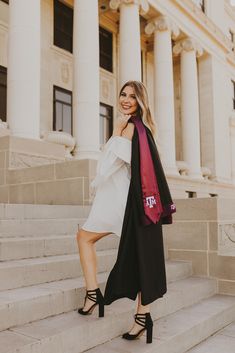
(98, 299)
(146, 322)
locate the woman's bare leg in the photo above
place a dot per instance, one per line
(86, 245)
(141, 309)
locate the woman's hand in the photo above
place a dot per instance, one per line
(121, 123)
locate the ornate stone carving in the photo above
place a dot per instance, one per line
(226, 244)
(144, 6)
(162, 23)
(62, 138)
(187, 44)
(65, 72)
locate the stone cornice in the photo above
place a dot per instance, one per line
(143, 4)
(187, 44)
(195, 13)
(162, 23)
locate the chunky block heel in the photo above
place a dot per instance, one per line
(149, 335)
(146, 322)
(101, 310)
(98, 299)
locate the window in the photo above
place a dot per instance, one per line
(3, 93)
(106, 49)
(63, 26)
(62, 116)
(233, 83)
(106, 122)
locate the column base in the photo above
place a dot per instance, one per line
(195, 176)
(171, 171)
(86, 154)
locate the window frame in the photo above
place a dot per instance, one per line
(101, 116)
(109, 33)
(3, 70)
(63, 90)
(57, 29)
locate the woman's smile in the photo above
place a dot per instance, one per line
(127, 101)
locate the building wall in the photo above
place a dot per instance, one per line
(214, 73)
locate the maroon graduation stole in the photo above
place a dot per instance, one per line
(150, 192)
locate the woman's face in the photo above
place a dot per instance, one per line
(127, 101)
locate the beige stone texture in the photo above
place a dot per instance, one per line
(4, 143)
(27, 175)
(222, 267)
(22, 193)
(2, 159)
(4, 194)
(196, 209)
(73, 169)
(187, 235)
(198, 258)
(226, 287)
(65, 192)
(2, 176)
(226, 209)
(213, 235)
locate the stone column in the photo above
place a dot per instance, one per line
(189, 50)
(86, 79)
(23, 77)
(164, 111)
(129, 39)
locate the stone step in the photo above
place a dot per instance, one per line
(222, 341)
(29, 211)
(39, 227)
(17, 248)
(27, 272)
(179, 331)
(24, 305)
(73, 333)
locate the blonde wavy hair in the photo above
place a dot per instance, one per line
(143, 102)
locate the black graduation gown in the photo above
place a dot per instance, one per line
(140, 264)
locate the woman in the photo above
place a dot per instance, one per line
(132, 200)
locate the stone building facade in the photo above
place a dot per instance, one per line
(63, 62)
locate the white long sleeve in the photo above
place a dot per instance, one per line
(116, 152)
(111, 186)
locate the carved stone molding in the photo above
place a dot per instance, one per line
(187, 44)
(226, 239)
(143, 4)
(162, 23)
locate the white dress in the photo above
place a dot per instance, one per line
(111, 186)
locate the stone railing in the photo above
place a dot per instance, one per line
(204, 233)
(53, 184)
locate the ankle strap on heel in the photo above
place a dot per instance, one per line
(140, 319)
(92, 295)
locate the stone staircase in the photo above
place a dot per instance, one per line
(41, 286)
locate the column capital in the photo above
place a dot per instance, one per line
(162, 23)
(188, 44)
(143, 4)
